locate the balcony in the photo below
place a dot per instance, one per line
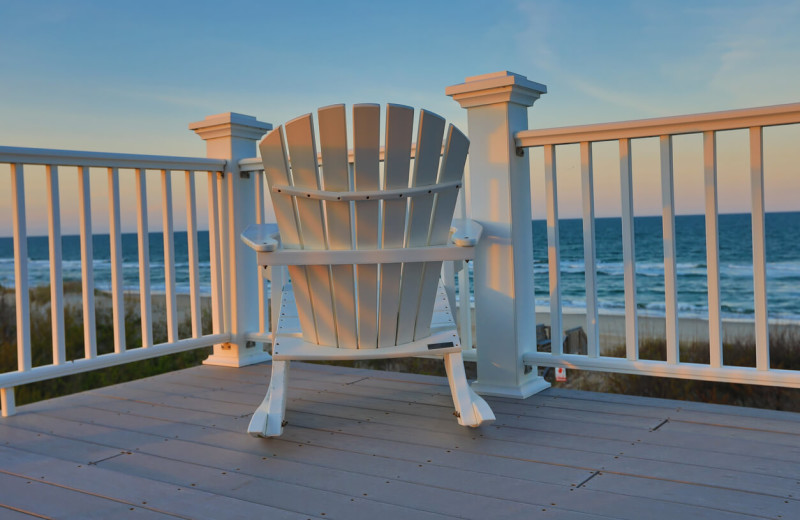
(363, 443)
(367, 444)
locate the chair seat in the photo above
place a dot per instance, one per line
(289, 343)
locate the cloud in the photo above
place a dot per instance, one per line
(545, 25)
(747, 54)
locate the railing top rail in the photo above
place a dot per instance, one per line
(674, 125)
(11, 154)
(254, 163)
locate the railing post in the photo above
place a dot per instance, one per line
(499, 185)
(233, 137)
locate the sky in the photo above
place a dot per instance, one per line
(130, 76)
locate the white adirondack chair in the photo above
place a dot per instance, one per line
(364, 248)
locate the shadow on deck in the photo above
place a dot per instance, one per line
(368, 444)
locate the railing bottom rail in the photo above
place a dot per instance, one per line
(642, 367)
(11, 379)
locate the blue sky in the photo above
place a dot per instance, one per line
(130, 76)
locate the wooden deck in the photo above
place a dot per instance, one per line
(366, 444)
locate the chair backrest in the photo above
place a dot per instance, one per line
(364, 305)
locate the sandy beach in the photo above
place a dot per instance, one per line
(612, 327)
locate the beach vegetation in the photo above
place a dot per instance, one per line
(784, 354)
(42, 341)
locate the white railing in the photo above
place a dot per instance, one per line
(664, 129)
(56, 162)
(497, 195)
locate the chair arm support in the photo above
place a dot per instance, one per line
(261, 237)
(465, 232)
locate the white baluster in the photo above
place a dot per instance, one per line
(628, 250)
(145, 300)
(191, 234)
(56, 281)
(21, 268)
(214, 253)
(759, 248)
(117, 296)
(589, 250)
(553, 250)
(169, 255)
(87, 269)
(712, 248)
(670, 272)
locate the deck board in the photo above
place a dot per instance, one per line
(368, 444)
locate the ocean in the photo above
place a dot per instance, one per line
(736, 267)
(735, 260)
(39, 263)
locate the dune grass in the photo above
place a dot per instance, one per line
(42, 350)
(784, 354)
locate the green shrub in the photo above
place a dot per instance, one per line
(42, 350)
(784, 354)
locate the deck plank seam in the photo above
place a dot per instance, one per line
(788, 444)
(584, 468)
(24, 512)
(645, 442)
(445, 488)
(90, 493)
(649, 443)
(286, 440)
(722, 410)
(209, 493)
(306, 463)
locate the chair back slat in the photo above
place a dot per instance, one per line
(453, 160)
(366, 305)
(366, 176)
(303, 157)
(426, 166)
(397, 159)
(335, 177)
(276, 170)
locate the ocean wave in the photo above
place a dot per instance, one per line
(658, 309)
(775, 270)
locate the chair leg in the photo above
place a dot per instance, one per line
(267, 420)
(471, 409)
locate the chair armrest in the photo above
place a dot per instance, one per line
(261, 237)
(465, 232)
(442, 253)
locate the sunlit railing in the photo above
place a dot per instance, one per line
(664, 129)
(504, 262)
(79, 164)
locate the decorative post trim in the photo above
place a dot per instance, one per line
(499, 180)
(233, 137)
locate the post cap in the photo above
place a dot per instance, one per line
(496, 87)
(230, 124)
